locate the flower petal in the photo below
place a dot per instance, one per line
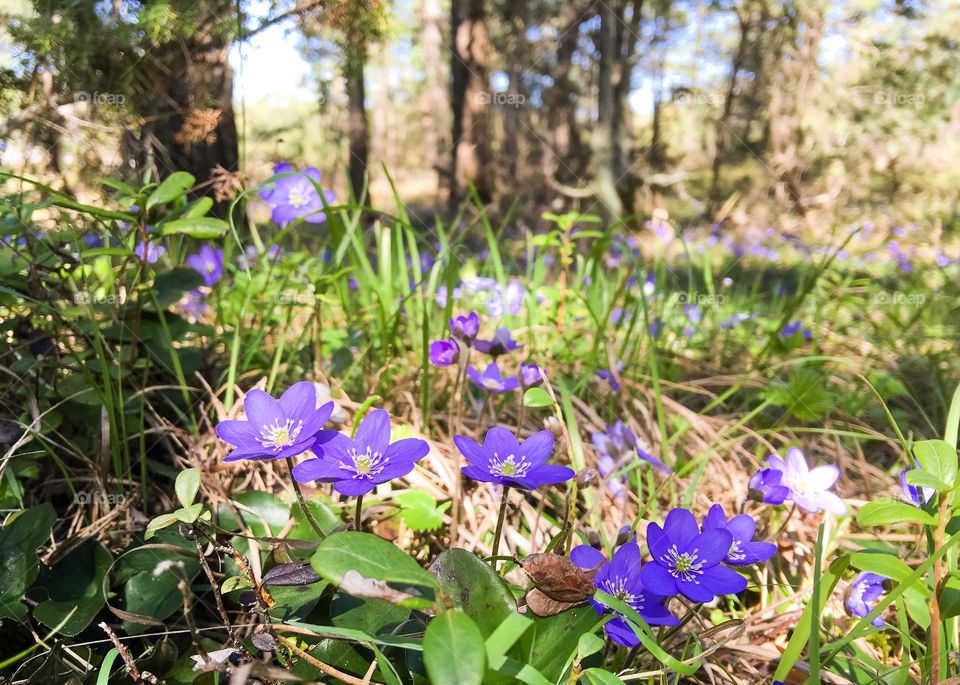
(501, 441)
(480, 474)
(315, 419)
(743, 527)
(354, 487)
(407, 450)
(336, 447)
(658, 580)
(374, 431)
(473, 452)
(715, 518)
(262, 409)
(753, 553)
(319, 469)
(695, 590)
(796, 462)
(586, 557)
(299, 402)
(724, 581)
(236, 432)
(822, 477)
(619, 630)
(549, 474)
(395, 469)
(537, 448)
(681, 527)
(712, 545)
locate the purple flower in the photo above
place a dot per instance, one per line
(295, 196)
(744, 551)
(491, 379)
(765, 487)
(809, 488)
(863, 595)
(687, 561)
(620, 577)
(608, 375)
(793, 328)
(530, 375)
(149, 252)
(618, 447)
(209, 263)
(194, 303)
(277, 429)
(501, 343)
(912, 493)
(357, 466)
(503, 460)
(444, 352)
(465, 328)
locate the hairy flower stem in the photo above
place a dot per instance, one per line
(358, 512)
(303, 502)
(455, 426)
(938, 578)
(499, 530)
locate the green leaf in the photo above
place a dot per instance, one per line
(937, 458)
(590, 643)
(175, 185)
(234, 583)
(887, 511)
(198, 207)
(537, 397)
(419, 510)
(161, 521)
(805, 394)
(369, 555)
(74, 585)
(19, 567)
(598, 676)
(552, 639)
(453, 650)
(264, 514)
(200, 227)
(883, 564)
(950, 599)
(170, 285)
(187, 485)
(475, 587)
(189, 514)
(925, 479)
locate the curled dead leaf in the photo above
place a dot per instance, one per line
(559, 578)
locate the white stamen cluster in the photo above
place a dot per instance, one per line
(275, 436)
(512, 466)
(683, 566)
(366, 464)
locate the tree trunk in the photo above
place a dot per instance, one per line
(434, 104)
(188, 116)
(471, 154)
(604, 141)
(358, 129)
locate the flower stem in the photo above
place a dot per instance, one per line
(499, 529)
(357, 513)
(303, 502)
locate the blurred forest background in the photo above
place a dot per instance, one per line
(754, 112)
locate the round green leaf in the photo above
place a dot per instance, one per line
(187, 485)
(369, 555)
(475, 587)
(175, 185)
(453, 650)
(537, 397)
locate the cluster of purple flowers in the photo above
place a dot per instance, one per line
(498, 300)
(793, 480)
(464, 331)
(208, 262)
(293, 425)
(618, 450)
(686, 559)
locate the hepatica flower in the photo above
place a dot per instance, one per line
(744, 551)
(295, 196)
(619, 446)
(501, 343)
(687, 561)
(209, 263)
(766, 487)
(501, 459)
(530, 375)
(912, 493)
(465, 328)
(491, 379)
(864, 592)
(443, 352)
(356, 466)
(150, 251)
(620, 577)
(809, 488)
(794, 327)
(277, 429)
